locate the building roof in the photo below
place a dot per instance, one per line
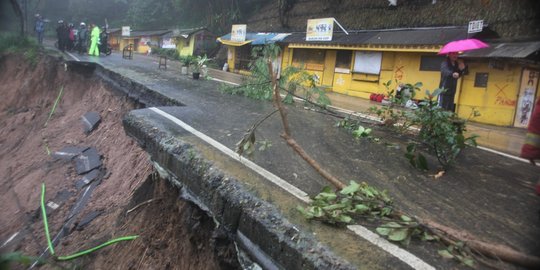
(148, 33)
(254, 39)
(185, 33)
(407, 36)
(114, 30)
(507, 50)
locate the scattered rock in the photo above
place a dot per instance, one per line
(87, 161)
(88, 218)
(90, 121)
(88, 178)
(68, 152)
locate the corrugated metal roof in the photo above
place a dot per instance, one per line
(114, 30)
(506, 50)
(409, 36)
(148, 33)
(185, 32)
(260, 38)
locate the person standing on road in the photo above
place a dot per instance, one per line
(82, 36)
(71, 37)
(39, 28)
(531, 147)
(94, 39)
(451, 70)
(62, 34)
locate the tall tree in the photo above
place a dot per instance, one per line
(17, 8)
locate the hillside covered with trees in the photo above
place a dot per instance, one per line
(509, 18)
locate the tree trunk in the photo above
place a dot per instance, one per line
(290, 141)
(492, 250)
(18, 12)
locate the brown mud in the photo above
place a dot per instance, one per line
(173, 233)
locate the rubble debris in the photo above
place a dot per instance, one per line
(88, 178)
(87, 219)
(87, 161)
(69, 152)
(90, 121)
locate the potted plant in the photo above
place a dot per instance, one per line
(186, 61)
(198, 64)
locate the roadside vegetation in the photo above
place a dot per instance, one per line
(14, 43)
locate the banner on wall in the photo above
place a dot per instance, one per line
(168, 43)
(320, 29)
(144, 41)
(238, 32)
(527, 91)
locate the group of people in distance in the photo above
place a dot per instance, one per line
(71, 38)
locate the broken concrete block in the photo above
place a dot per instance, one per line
(90, 121)
(88, 178)
(68, 152)
(87, 219)
(87, 161)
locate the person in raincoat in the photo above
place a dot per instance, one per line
(94, 39)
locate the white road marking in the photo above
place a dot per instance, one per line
(73, 56)
(396, 251)
(10, 238)
(218, 80)
(503, 154)
(268, 175)
(359, 230)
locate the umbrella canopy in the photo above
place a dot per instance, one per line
(463, 45)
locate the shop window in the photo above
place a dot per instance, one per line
(343, 61)
(431, 62)
(481, 79)
(309, 59)
(367, 62)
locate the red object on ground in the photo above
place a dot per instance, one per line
(380, 98)
(531, 148)
(372, 96)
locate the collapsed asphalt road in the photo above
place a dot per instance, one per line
(485, 194)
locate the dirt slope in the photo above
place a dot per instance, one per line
(170, 229)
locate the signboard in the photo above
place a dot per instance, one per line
(126, 31)
(238, 32)
(320, 29)
(475, 26)
(525, 106)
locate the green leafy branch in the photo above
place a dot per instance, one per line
(362, 200)
(353, 200)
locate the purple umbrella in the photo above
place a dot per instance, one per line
(463, 45)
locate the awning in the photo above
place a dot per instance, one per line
(233, 43)
(254, 39)
(370, 47)
(507, 50)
